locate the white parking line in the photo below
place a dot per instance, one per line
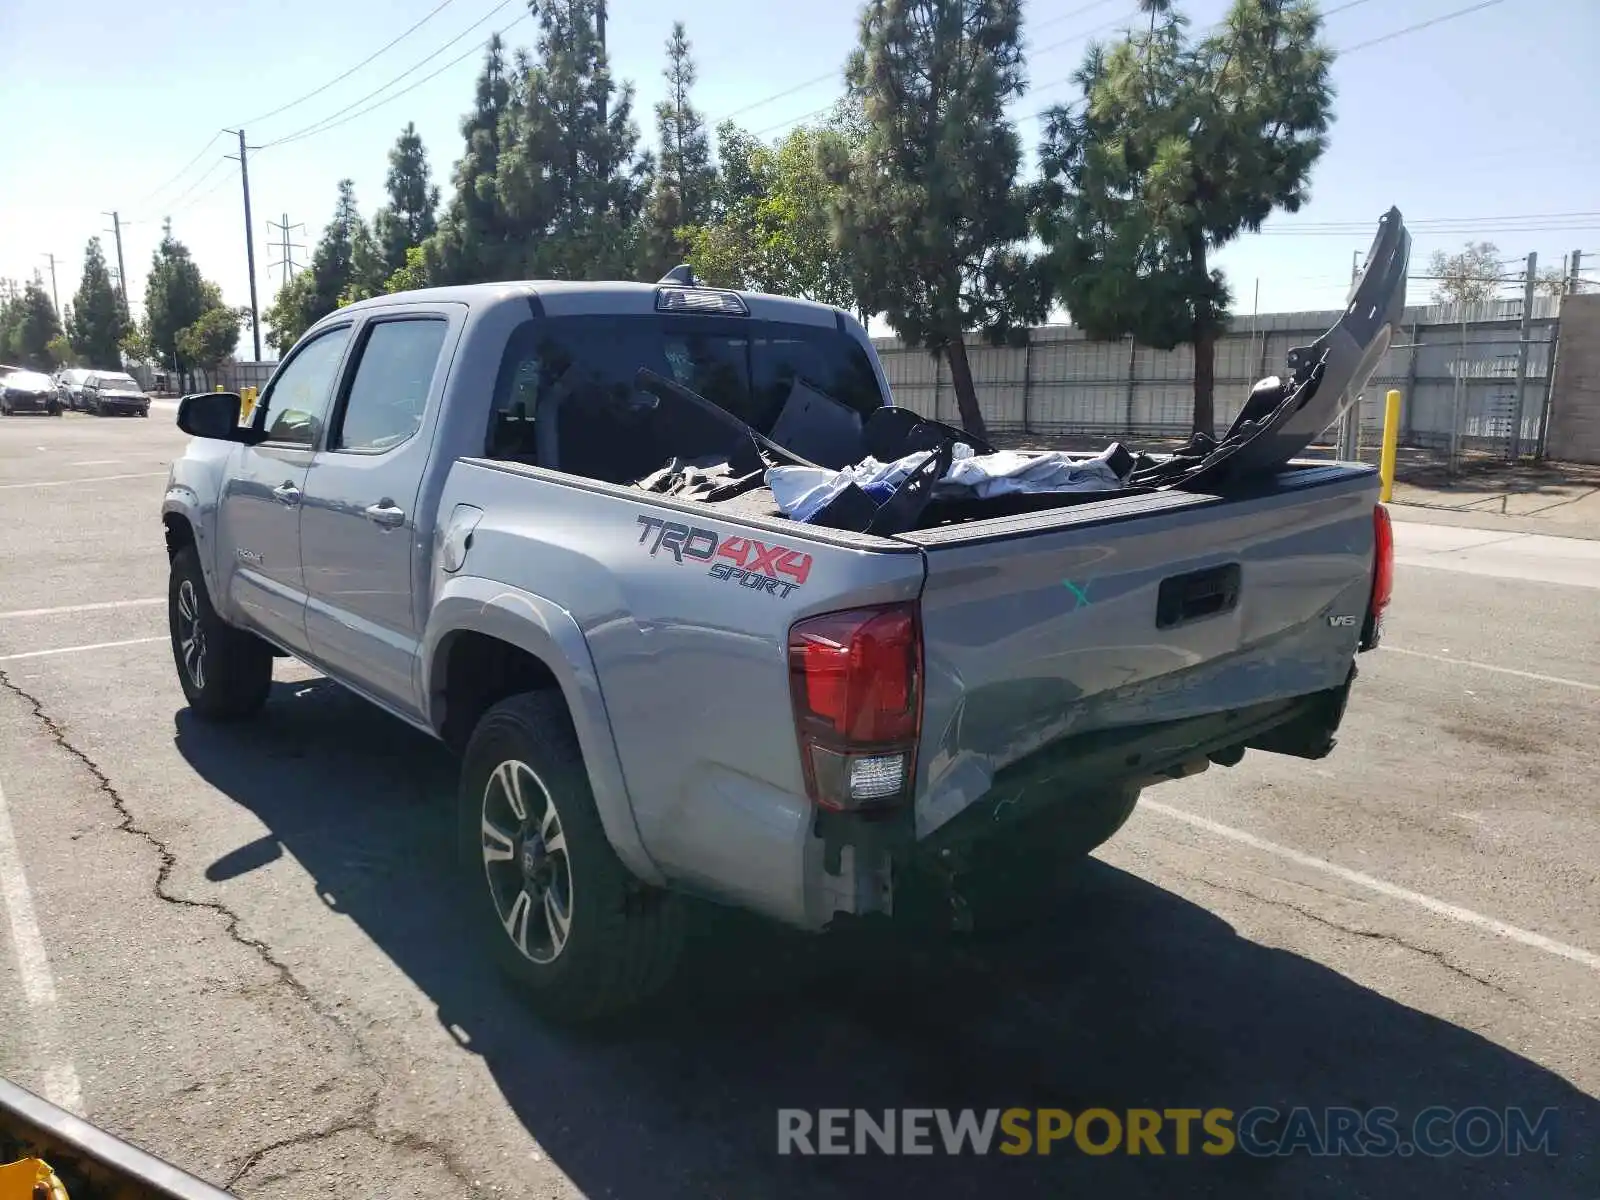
(5, 658)
(1467, 662)
(90, 479)
(75, 608)
(1383, 887)
(61, 1084)
(98, 462)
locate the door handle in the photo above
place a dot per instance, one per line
(385, 513)
(287, 493)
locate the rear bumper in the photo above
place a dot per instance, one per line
(807, 868)
(125, 407)
(1140, 756)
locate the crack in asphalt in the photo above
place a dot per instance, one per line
(366, 1120)
(1437, 956)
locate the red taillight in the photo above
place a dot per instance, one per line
(856, 682)
(1382, 576)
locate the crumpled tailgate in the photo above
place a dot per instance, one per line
(1131, 612)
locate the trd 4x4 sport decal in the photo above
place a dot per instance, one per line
(775, 570)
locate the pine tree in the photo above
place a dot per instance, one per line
(32, 327)
(408, 219)
(468, 244)
(571, 182)
(333, 266)
(1177, 147)
(175, 296)
(98, 319)
(685, 180)
(930, 212)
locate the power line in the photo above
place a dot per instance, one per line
(1387, 37)
(327, 122)
(1087, 33)
(1067, 16)
(174, 205)
(1449, 16)
(444, 4)
(180, 174)
(403, 91)
(765, 100)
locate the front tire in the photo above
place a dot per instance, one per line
(557, 909)
(225, 672)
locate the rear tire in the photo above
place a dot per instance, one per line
(225, 672)
(556, 908)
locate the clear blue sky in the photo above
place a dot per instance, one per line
(1488, 119)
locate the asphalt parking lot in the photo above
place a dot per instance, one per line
(239, 948)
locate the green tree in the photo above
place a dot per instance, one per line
(1176, 147)
(930, 214)
(99, 320)
(175, 296)
(685, 181)
(773, 213)
(368, 271)
(412, 276)
(135, 345)
(570, 179)
(1471, 276)
(28, 326)
(288, 316)
(408, 219)
(468, 243)
(60, 352)
(211, 340)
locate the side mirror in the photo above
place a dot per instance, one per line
(215, 415)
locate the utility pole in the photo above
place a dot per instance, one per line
(122, 275)
(249, 243)
(1573, 278)
(1525, 326)
(54, 297)
(285, 247)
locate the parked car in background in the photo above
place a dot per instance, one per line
(69, 386)
(108, 392)
(28, 391)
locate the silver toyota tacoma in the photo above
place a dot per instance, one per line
(659, 695)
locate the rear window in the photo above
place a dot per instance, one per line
(121, 383)
(566, 399)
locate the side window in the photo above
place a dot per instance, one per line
(390, 391)
(297, 402)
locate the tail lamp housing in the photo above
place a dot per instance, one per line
(855, 678)
(1382, 577)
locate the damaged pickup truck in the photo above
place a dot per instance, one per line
(539, 521)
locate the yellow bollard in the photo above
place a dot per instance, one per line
(1391, 443)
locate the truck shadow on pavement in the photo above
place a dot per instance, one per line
(1123, 996)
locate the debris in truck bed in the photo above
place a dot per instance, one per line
(803, 492)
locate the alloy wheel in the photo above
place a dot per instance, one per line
(526, 862)
(191, 634)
